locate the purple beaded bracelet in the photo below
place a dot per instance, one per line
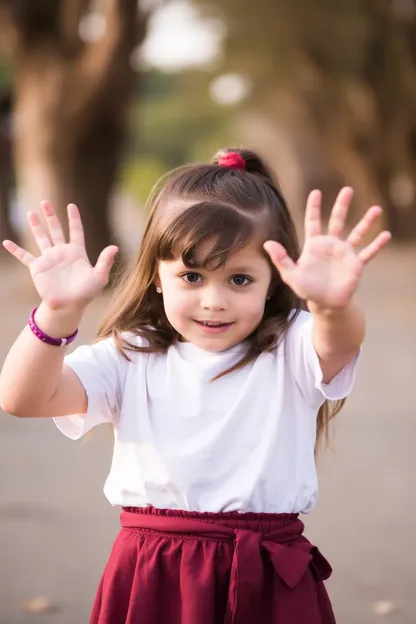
(55, 342)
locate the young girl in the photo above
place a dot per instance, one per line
(216, 379)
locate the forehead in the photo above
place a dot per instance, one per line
(250, 255)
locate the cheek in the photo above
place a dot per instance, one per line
(254, 310)
(253, 307)
(177, 303)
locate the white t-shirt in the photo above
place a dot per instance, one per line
(244, 442)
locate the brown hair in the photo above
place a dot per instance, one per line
(187, 206)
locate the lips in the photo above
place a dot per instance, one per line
(213, 327)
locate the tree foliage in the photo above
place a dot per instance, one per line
(341, 76)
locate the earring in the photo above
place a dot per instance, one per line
(158, 289)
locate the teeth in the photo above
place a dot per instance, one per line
(211, 324)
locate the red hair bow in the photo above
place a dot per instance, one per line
(232, 160)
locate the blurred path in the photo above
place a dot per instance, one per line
(56, 528)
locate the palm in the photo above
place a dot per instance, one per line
(329, 269)
(62, 274)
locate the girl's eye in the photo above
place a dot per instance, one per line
(191, 278)
(240, 280)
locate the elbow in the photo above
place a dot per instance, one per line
(6, 408)
(5, 405)
(9, 408)
(14, 403)
(14, 409)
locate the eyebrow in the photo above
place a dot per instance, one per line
(243, 269)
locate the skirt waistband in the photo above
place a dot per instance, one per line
(259, 522)
(275, 536)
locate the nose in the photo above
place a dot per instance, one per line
(213, 298)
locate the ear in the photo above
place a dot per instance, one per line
(156, 281)
(271, 289)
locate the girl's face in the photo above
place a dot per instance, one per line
(216, 309)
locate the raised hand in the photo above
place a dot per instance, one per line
(62, 275)
(329, 269)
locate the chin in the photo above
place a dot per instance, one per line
(210, 344)
(216, 348)
(214, 343)
(217, 345)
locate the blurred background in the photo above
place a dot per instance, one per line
(98, 98)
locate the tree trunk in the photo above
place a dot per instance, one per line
(71, 107)
(7, 230)
(66, 167)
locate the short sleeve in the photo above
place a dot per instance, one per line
(101, 370)
(306, 369)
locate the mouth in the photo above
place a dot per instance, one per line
(213, 326)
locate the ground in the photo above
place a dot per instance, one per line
(56, 528)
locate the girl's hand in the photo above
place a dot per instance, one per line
(62, 274)
(329, 269)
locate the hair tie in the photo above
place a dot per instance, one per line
(233, 160)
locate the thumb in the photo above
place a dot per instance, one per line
(105, 262)
(280, 259)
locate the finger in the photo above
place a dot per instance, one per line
(358, 233)
(76, 230)
(280, 258)
(21, 254)
(41, 237)
(105, 262)
(373, 248)
(339, 211)
(54, 225)
(313, 214)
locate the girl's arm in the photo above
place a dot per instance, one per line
(33, 381)
(337, 335)
(327, 276)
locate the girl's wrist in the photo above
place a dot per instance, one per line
(58, 322)
(317, 308)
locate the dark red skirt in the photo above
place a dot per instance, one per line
(177, 567)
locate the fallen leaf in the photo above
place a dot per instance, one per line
(38, 604)
(383, 607)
